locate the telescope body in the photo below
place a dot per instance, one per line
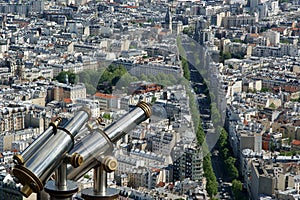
(95, 146)
(42, 163)
(52, 149)
(36, 144)
(94, 124)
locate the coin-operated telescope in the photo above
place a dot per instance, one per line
(96, 149)
(48, 152)
(54, 149)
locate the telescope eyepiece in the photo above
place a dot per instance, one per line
(26, 191)
(30, 182)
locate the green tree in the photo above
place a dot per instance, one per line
(223, 139)
(189, 31)
(62, 77)
(95, 76)
(230, 161)
(264, 90)
(231, 168)
(185, 68)
(296, 100)
(225, 153)
(112, 74)
(215, 114)
(144, 77)
(283, 1)
(193, 105)
(212, 184)
(106, 116)
(200, 134)
(86, 176)
(73, 78)
(272, 146)
(90, 89)
(90, 78)
(184, 63)
(125, 81)
(224, 55)
(84, 77)
(152, 78)
(197, 62)
(272, 106)
(110, 77)
(153, 99)
(237, 40)
(237, 188)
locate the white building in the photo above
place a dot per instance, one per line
(273, 36)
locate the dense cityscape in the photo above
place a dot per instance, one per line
(221, 78)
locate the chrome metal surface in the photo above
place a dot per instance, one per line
(110, 194)
(51, 154)
(56, 193)
(91, 148)
(77, 122)
(87, 128)
(118, 129)
(40, 141)
(36, 144)
(61, 177)
(100, 180)
(95, 145)
(43, 163)
(50, 157)
(42, 195)
(60, 198)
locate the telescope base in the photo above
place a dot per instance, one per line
(110, 194)
(62, 194)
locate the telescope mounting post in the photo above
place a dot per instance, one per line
(62, 188)
(100, 190)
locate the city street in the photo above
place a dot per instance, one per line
(224, 188)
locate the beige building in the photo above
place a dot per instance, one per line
(75, 92)
(287, 130)
(252, 85)
(273, 37)
(261, 182)
(67, 93)
(239, 20)
(164, 141)
(251, 140)
(233, 88)
(107, 101)
(13, 118)
(34, 73)
(7, 139)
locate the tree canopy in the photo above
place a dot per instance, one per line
(185, 68)
(230, 166)
(63, 76)
(237, 188)
(212, 184)
(90, 78)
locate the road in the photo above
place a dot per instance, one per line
(224, 189)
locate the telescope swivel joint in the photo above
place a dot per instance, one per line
(75, 159)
